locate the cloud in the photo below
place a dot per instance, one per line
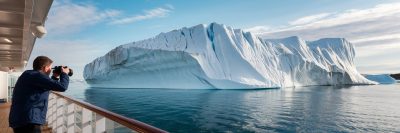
(258, 29)
(376, 59)
(382, 69)
(374, 31)
(378, 38)
(354, 24)
(389, 49)
(159, 12)
(68, 17)
(73, 53)
(309, 19)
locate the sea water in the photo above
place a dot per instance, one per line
(374, 108)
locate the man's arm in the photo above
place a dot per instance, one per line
(50, 84)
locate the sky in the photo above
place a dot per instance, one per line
(79, 31)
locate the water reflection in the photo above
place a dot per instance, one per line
(304, 109)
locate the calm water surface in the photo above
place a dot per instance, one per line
(303, 109)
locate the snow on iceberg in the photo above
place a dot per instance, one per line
(218, 56)
(381, 78)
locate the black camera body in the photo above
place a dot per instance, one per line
(58, 70)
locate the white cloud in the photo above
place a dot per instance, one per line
(377, 38)
(309, 19)
(388, 68)
(67, 17)
(379, 17)
(169, 6)
(375, 32)
(376, 50)
(159, 12)
(258, 29)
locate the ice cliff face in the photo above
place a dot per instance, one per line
(217, 56)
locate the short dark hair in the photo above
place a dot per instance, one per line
(40, 62)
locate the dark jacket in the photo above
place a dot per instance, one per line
(31, 95)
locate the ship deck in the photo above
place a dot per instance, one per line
(4, 112)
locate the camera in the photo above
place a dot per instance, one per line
(58, 70)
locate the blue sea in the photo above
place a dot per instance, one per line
(374, 108)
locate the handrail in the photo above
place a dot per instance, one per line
(128, 122)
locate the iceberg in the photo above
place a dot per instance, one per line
(381, 78)
(218, 56)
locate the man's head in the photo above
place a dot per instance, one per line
(42, 63)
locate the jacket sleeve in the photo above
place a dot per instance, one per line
(47, 83)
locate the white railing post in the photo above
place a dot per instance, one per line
(100, 124)
(53, 111)
(86, 121)
(78, 118)
(60, 115)
(104, 125)
(70, 117)
(110, 126)
(49, 109)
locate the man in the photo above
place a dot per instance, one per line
(31, 93)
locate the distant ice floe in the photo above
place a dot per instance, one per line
(381, 78)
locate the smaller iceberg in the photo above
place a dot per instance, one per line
(381, 78)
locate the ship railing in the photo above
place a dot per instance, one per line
(69, 115)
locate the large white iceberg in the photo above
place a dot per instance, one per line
(218, 56)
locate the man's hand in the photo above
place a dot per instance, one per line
(65, 70)
(56, 74)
